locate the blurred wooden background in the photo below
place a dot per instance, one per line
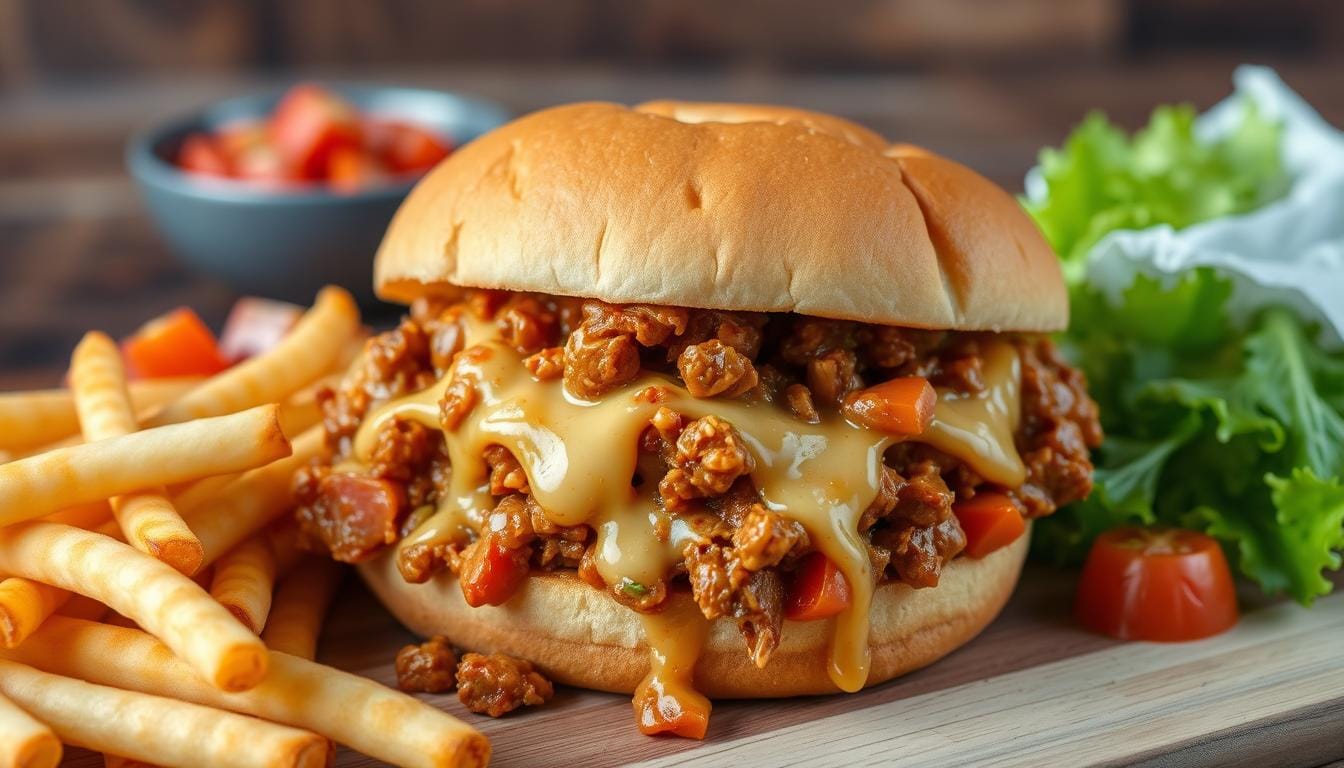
(45, 39)
(986, 82)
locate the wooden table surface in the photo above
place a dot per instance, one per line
(77, 252)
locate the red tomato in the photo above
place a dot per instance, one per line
(255, 325)
(991, 521)
(176, 344)
(200, 153)
(818, 590)
(1159, 584)
(350, 170)
(404, 147)
(492, 573)
(248, 146)
(309, 124)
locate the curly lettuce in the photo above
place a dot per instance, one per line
(1233, 429)
(1102, 180)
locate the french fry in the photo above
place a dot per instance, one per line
(32, 419)
(300, 605)
(244, 580)
(24, 605)
(41, 484)
(158, 598)
(89, 515)
(284, 540)
(81, 607)
(117, 761)
(193, 495)
(251, 502)
(24, 742)
(147, 517)
(384, 724)
(155, 729)
(304, 355)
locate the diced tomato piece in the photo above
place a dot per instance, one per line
(902, 406)
(248, 146)
(200, 153)
(1161, 584)
(818, 590)
(255, 325)
(664, 708)
(350, 170)
(404, 147)
(176, 344)
(309, 124)
(491, 572)
(991, 521)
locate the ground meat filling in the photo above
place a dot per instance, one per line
(430, 667)
(495, 685)
(700, 468)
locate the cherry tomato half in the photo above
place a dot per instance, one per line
(1161, 584)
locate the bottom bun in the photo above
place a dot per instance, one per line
(580, 636)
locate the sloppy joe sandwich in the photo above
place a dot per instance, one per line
(703, 400)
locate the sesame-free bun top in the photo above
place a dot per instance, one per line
(724, 206)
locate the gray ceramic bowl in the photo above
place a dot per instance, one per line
(287, 243)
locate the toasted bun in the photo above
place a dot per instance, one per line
(724, 206)
(579, 635)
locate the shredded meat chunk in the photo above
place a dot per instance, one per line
(1059, 425)
(764, 538)
(710, 457)
(430, 667)
(546, 365)
(495, 685)
(713, 368)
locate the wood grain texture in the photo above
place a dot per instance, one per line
(1033, 689)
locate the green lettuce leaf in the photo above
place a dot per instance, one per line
(1237, 432)
(1101, 180)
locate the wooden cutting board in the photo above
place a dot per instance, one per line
(1033, 689)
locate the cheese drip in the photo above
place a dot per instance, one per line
(580, 457)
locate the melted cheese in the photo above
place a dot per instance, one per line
(580, 457)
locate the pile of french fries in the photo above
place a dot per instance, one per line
(154, 603)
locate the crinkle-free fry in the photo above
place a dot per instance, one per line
(158, 598)
(41, 484)
(379, 722)
(244, 581)
(25, 742)
(35, 418)
(300, 607)
(155, 729)
(24, 605)
(146, 517)
(303, 356)
(251, 502)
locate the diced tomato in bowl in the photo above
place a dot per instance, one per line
(315, 136)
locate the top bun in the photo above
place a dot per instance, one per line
(724, 206)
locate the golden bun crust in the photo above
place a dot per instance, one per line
(724, 206)
(579, 635)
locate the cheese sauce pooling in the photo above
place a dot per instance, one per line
(581, 456)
